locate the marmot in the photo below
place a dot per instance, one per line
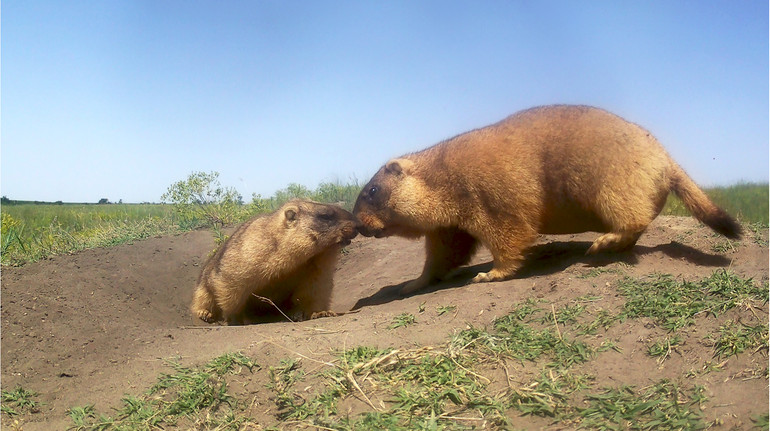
(550, 170)
(287, 256)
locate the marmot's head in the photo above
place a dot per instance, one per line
(390, 202)
(315, 226)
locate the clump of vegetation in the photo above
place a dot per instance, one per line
(199, 395)
(402, 320)
(662, 348)
(675, 303)
(327, 192)
(201, 200)
(516, 337)
(19, 401)
(735, 338)
(661, 406)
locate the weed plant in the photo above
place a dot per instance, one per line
(663, 406)
(19, 401)
(735, 338)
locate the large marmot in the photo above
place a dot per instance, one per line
(287, 256)
(549, 170)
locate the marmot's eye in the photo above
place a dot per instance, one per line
(326, 215)
(373, 191)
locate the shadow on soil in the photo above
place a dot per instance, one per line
(551, 258)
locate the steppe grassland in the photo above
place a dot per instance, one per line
(35, 231)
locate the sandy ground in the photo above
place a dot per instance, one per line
(90, 327)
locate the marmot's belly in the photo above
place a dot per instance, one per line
(570, 218)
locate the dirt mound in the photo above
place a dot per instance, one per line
(90, 327)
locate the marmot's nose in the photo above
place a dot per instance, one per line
(359, 225)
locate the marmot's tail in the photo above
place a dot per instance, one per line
(701, 206)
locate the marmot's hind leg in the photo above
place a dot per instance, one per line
(614, 241)
(627, 215)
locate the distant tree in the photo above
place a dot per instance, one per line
(4, 200)
(59, 203)
(201, 196)
(103, 201)
(292, 191)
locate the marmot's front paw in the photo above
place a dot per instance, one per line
(206, 316)
(413, 286)
(325, 313)
(486, 277)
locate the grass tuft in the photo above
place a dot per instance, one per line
(199, 395)
(674, 304)
(663, 406)
(402, 320)
(19, 401)
(736, 338)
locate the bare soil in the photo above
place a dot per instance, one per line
(91, 327)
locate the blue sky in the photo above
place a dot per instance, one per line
(119, 99)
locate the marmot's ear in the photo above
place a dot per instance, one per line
(290, 214)
(399, 166)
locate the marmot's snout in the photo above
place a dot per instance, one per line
(350, 232)
(368, 231)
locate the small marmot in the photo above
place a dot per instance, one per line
(287, 256)
(551, 170)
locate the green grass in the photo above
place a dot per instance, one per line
(19, 401)
(674, 304)
(332, 192)
(735, 338)
(662, 348)
(402, 320)
(34, 231)
(197, 395)
(663, 406)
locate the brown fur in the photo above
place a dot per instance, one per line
(550, 170)
(287, 256)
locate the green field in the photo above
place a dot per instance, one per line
(33, 231)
